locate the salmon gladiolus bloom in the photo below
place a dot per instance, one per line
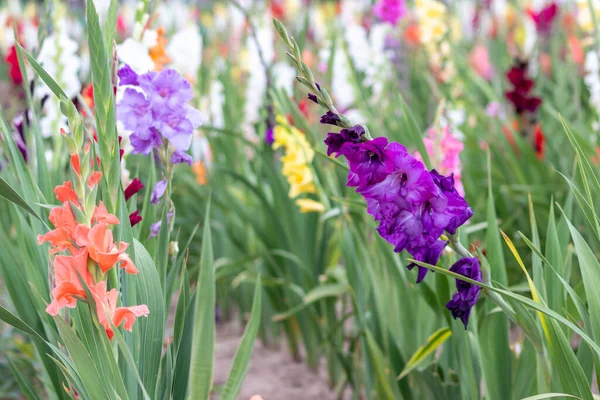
(101, 215)
(106, 307)
(65, 223)
(99, 243)
(65, 192)
(67, 270)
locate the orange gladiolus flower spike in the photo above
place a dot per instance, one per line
(65, 192)
(106, 307)
(67, 270)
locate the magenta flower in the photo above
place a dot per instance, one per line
(544, 19)
(390, 11)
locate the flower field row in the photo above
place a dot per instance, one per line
(400, 193)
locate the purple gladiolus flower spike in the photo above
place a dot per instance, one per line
(467, 294)
(412, 205)
(158, 191)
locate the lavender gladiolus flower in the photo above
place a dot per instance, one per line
(467, 293)
(158, 191)
(158, 109)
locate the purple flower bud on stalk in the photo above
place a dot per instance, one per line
(158, 191)
(330, 118)
(127, 76)
(269, 136)
(467, 294)
(155, 227)
(313, 97)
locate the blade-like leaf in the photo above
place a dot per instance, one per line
(242, 357)
(203, 342)
(435, 340)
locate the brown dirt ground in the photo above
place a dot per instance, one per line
(272, 373)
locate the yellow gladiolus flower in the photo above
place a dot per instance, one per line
(297, 158)
(309, 205)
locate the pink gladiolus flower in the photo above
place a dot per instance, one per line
(444, 150)
(390, 11)
(479, 60)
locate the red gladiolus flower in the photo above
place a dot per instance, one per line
(135, 186)
(540, 142)
(135, 218)
(13, 65)
(520, 96)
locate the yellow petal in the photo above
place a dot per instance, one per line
(309, 205)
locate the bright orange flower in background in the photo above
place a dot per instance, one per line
(106, 307)
(200, 172)
(67, 270)
(577, 53)
(412, 35)
(158, 53)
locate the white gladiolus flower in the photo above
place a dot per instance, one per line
(135, 54)
(185, 49)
